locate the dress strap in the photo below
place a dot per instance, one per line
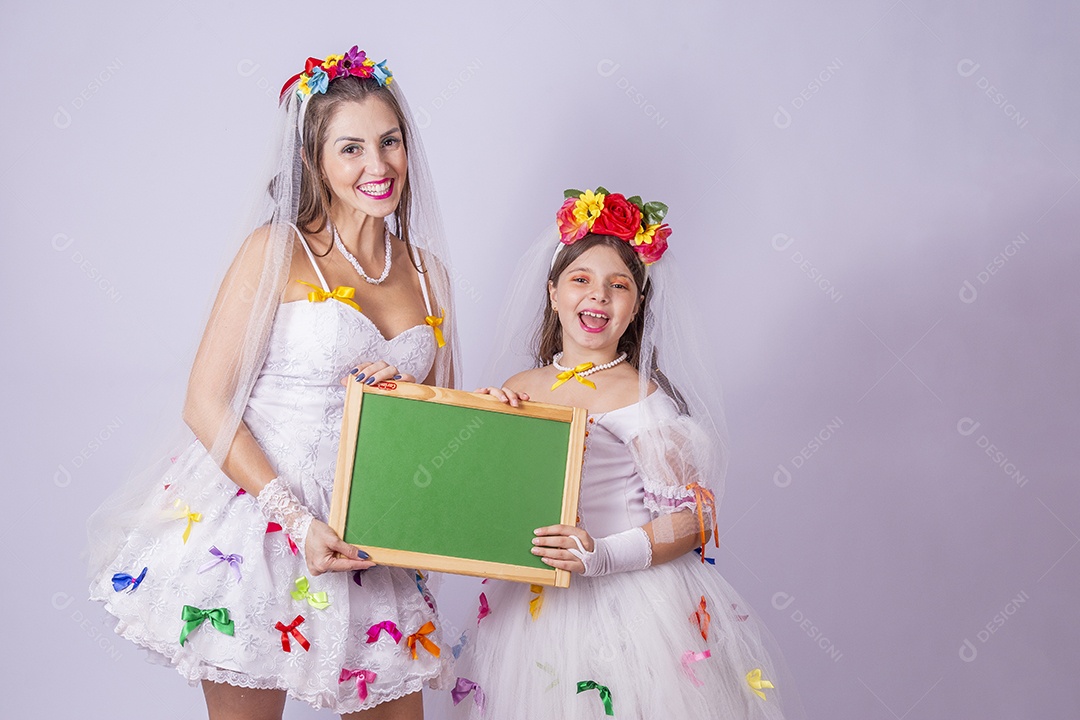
(423, 281)
(311, 257)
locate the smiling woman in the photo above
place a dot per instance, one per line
(221, 562)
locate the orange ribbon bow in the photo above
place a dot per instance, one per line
(421, 637)
(705, 499)
(702, 619)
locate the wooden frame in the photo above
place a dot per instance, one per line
(346, 468)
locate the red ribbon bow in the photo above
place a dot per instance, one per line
(702, 619)
(291, 629)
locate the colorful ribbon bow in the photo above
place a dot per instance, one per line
(550, 671)
(573, 373)
(292, 629)
(421, 637)
(388, 626)
(485, 609)
(274, 527)
(342, 293)
(435, 322)
(363, 677)
(605, 694)
(462, 689)
(193, 617)
(537, 602)
(754, 680)
(691, 657)
(461, 643)
(704, 498)
(192, 517)
(702, 619)
(317, 600)
(740, 618)
(123, 580)
(233, 560)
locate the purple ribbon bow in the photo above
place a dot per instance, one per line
(462, 689)
(234, 561)
(123, 580)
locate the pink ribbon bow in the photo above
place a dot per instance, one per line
(363, 677)
(462, 689)
(485, 609)
(388, 626)
(233, 560)
(691, 657)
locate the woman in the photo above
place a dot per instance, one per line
(218, 565)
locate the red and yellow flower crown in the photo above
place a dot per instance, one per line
(603, 213)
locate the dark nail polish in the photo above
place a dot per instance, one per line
(370, 381)
(360, 376)
(354, 371)
(397, 377)
(362, 555)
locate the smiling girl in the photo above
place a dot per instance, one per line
(646, 629)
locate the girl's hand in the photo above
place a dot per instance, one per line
(505, 395)
(376, 372)
(324, 551)
(553, 545)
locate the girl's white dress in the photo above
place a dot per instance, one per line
(641, 635)
(205, 546)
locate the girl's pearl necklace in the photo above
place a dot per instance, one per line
(356, 264)
(590, 371)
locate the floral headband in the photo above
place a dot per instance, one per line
(318, 74)
(605, 213)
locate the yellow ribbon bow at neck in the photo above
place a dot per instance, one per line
(186, 514)
(317, 600)
(342, 293)
(574, 373)
(756, 683)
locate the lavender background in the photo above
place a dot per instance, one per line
(879, 202)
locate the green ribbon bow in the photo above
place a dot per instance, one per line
(317, 600)
(605, 694)
(193, 617)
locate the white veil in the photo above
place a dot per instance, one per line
(234, 345)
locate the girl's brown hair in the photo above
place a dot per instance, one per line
(549, 336)
(314, 209)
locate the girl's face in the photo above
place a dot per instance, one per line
(364, 158)
(596, 299)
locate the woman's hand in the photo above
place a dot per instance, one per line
(553, 545)
(376, 372)
(504, 394)
(324, 551)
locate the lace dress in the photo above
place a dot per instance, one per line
(671, 641)
(339, 640)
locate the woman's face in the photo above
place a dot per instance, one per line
(596, 299)
(364, 158)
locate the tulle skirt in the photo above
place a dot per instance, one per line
(253, 575)
(671, 641)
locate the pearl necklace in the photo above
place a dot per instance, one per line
(356, 264)
(590, 371)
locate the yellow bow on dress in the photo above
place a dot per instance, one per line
(342, 293)
(191, 517)
(435, 322)
(756, 683)
(573, 373)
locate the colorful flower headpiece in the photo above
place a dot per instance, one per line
(604, 213)
(318, 73)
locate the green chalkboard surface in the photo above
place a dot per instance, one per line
(447, 480)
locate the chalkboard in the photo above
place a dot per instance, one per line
(439, 479)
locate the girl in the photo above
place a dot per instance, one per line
(217, 565)
(646, 629)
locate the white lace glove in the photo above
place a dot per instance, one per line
(628, 550)
(280, 506)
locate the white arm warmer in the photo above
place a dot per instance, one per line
(628, 550)
(279, 505)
